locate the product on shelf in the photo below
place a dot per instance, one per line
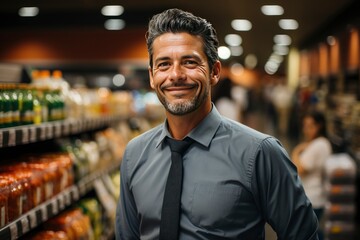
(4, 195)
(19, 195)
(73, 222)
(91, 207)
(31, 180)
(48, 235)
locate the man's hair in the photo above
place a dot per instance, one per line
(178, 21)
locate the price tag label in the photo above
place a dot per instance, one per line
(57, 130)
(44, 213)
(13, 231)
(61, 201)
(25, 225)
(74, 127)
(67, 197)
(75, 194)
(42, 132)
(33, 219)
(49, 132)
(12, 137)
(66, 128)
(55, 207)
(25, 135)
(1, 139)
(32, 134)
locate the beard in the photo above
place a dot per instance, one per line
(184, 106)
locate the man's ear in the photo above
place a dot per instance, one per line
(151, 77)
(215, 74)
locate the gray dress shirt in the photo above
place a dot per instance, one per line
(235, 180)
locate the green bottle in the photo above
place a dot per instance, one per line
(1, 107)
(50, 105)
(15, 105)
(7, 112)
(27, 111)
(36, 108)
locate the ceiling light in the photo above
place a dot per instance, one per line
(237, 69)
(241, 24)
(118, 80)
(112, 10)
(288, 24)
(276, 58)
(233, 39)
(272, 10)
(236, 50)
(331, 40)
(114, 24)
(224, 52)
(251, 61)
(281, 50)
(28, 11)
(271, 67)
(282, 39)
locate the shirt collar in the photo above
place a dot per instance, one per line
(203, 133)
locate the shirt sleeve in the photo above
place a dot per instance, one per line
(280, 195)
(126, 222)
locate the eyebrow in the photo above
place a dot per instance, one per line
(183, 57)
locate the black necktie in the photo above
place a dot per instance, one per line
(170, 214)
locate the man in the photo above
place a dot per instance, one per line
(235, 179)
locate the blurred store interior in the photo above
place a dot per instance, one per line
(280, 59)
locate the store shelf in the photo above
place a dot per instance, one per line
(14, 136)
(53, 206)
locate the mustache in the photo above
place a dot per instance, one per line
(177, 84)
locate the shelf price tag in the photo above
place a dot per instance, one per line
(25, 135)
(32, 134)
(42, 132)
(66, 128)
(1, 139)
(55, 207)
(67, 198)
(33, 219)
(44, 212)
(13, 231)
(49, 132)
(61, 201)
(12, 137)
(57, 130)
(25, 225)
(75, 193)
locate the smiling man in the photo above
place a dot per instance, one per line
(229, 180)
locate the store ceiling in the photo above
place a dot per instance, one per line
(313, 17)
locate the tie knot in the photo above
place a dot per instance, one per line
(179, 146)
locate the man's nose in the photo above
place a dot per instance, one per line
(177, 72)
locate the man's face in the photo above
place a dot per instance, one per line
(181, 75)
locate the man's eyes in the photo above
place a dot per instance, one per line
(190, 62)
(186, 63)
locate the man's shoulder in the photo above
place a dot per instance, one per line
(145, 138)
(242, 131)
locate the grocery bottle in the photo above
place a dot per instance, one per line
(27, 109)
(6, 105)
(15, 105)
(36, 107)
(1, 107)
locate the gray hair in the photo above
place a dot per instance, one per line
(177, 21)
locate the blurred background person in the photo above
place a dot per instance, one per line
(309, 156)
